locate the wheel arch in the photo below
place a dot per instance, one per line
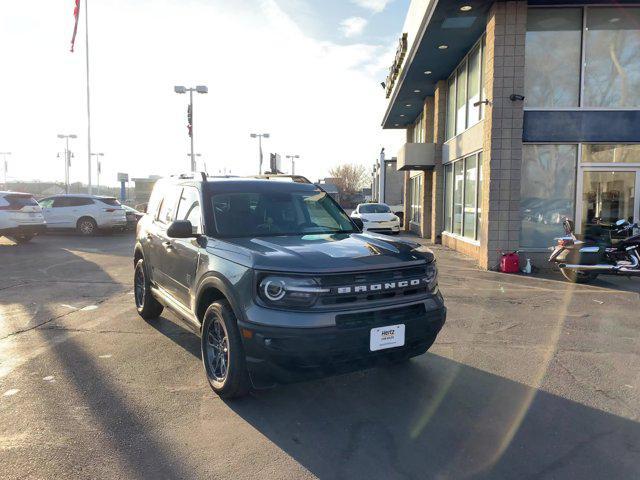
(138, 254)
(211, 289)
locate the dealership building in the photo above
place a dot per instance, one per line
(517, 115)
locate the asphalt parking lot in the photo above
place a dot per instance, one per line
(530, 378)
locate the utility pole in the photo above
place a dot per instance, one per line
(98, 169)
(86, 38)
(260, 136)
(383, 171)
(6, 167)
(67, 159)
(181, 90)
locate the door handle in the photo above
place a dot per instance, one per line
(167, 245)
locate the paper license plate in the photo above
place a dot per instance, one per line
(386, 337)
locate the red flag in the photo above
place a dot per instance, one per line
(76, 14)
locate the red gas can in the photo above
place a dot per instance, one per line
(510, 263)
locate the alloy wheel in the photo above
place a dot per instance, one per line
(218, 350)
(86, 227)
(139, 289)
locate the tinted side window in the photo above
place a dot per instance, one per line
(59, 202)
(79, 201)
(169, 203)
(189, 207)
(46, 202)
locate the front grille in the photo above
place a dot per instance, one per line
(376, 317)
(355, 280)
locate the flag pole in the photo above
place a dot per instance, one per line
(86, 37)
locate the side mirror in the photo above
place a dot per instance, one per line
(181, 229)
(358, 223)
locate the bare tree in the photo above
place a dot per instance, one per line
(349, 178)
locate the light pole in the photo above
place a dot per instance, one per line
(98, 169)
(260, 136)
(195, 166)
(293, 163)
(6, 166)
(180, 90)
(67, 159)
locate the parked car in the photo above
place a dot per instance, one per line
(377, 217)
(133, 216)
(20, 216)
(279, 282)
(84, 213)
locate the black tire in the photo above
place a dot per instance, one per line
(222, 352)
(20, 239)
(147, 306)
(577, 276)
(87, 226)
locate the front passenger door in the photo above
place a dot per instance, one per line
(183, 261)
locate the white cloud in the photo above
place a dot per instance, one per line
(318, 99)
(376, 6)
(353, 26)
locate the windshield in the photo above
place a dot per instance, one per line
(251, 214)
(374, 208)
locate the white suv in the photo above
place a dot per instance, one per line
(20, 216)
(85, 213)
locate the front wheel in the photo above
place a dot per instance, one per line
(578, 276)
(222, 352)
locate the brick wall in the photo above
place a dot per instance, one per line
(502, 144)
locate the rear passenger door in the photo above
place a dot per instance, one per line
(184, 254)
(59, 214)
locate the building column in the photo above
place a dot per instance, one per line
(426, 199)
(502, 144)
(406, 202)
(437, 177)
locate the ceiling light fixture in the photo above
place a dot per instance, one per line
(428, 72)
(402, 114)
(408, 105)
(416, 91)
(465, 8)
(443, 47)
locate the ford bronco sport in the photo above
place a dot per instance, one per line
(279, 283)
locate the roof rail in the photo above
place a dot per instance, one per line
(293, 178)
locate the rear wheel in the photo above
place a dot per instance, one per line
(147, 306)
(222, 352)
(87, 226)
(20, 239)
(578, 276)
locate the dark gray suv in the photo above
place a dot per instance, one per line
(279, 283)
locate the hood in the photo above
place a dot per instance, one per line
(321, 253)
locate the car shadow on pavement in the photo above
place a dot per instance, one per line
(437, 418)
(175, 332)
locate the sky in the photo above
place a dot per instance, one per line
(306, 71)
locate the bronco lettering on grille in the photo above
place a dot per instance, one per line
(377, 287)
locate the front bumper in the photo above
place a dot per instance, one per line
(382, 227)
(284, 354)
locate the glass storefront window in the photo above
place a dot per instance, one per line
(458, 186)
(461, 100)
(466, 87)
(451, 108)
(547, 192)
(470, 196)
(448, 196)
(612, 58)
(474, 86)
(596, 153)
(415, 184)
(552, 57)
(462, 197)
(607, 197)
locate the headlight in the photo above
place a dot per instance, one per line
(281, 291)
(431, 276)
(396, 218)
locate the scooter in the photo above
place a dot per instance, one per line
(582, 260)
